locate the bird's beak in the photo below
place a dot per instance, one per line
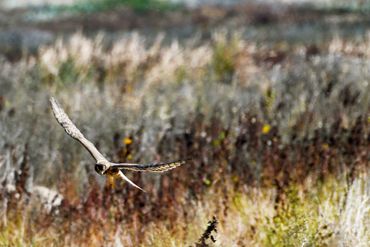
(105, 171)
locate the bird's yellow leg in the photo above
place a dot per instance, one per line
(111, 182)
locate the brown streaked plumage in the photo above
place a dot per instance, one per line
(103, 166)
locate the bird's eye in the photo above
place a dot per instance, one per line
(99, 168)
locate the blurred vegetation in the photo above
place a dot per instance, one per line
(278, 135)
(83, 6)
(345, 7)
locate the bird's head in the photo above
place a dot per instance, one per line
(101, 168)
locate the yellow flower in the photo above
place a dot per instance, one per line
(207, 182)
(266, 128)
(127, 140)
(235, 178)
(325, 146)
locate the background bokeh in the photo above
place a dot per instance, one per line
(269, 99)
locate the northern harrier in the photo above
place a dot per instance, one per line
(103, 166)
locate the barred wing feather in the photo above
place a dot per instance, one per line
(152, 167)
(73, 131)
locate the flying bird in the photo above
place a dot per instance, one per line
(103, 166)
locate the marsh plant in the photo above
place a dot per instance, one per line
(279, 141)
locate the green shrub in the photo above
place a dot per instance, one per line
(103, 5)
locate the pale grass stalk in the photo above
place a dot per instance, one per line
(354, 224)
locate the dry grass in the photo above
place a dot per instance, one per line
(279, 138)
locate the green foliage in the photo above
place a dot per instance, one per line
(220, 138)
(68, 73)
(85, 6)
(269, 99)
(180, 74)
(344, 7)
(223, 60)
(297, 222)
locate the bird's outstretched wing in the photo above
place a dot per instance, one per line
(121, 175)
(73, 131)
(152, 167)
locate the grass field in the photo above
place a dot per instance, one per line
(277, 129)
